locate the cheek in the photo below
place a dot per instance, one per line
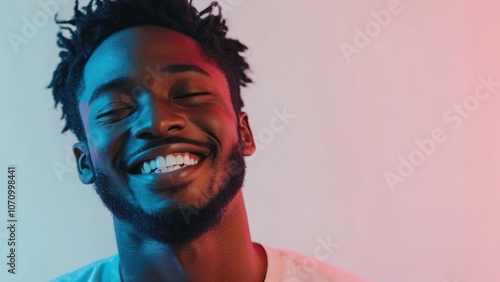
(103, 147)
(217, 121)
(103, 141)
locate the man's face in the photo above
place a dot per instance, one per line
(165, 147)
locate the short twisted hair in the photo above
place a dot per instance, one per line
(92, 24)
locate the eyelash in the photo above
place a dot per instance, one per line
(118, 110)
(192, 95)
(111, 112)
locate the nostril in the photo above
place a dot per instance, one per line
(146, 135)
(158, 122)
(150, 134)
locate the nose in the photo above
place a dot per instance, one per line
(157, 120)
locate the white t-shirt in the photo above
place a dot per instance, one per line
(282, 265)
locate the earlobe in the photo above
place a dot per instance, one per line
(84, 162)
(246, 135)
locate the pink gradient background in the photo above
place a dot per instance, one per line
(322, 176)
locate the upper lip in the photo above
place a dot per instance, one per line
(165, 150)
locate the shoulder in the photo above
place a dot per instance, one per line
(290, 267)
(105, 270)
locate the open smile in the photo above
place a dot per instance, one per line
(168, 165)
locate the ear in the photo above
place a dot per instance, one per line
(84, 162)
(246, 135)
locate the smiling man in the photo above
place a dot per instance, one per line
(151, 89)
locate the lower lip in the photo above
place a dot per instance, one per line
(165, 180)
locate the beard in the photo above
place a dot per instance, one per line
(178, 223)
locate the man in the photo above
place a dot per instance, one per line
(151, 89)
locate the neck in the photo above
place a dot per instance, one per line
(224, 253)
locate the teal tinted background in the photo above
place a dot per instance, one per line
(364, 89)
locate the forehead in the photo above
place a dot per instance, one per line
(135, 52)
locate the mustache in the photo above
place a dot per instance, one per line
(166, 141)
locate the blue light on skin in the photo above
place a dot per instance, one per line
(119, 122)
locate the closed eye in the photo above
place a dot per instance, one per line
(113, 112)
(185, 96)
(192, 99)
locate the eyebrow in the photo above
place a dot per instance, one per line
(178, 69)
(122, 81)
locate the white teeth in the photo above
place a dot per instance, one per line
(153, 164)
(160, 162)
(175, 167)
(187, 160)
(171, 160)
(169, 163)
(146, 167)
(179, 159)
